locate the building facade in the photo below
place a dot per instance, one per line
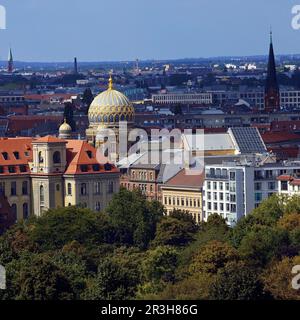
(47, 173)
(182, 98)
(184, 192)
(233, 190)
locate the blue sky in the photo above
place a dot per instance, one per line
(98, 30)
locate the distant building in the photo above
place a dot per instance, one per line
(10, 66)
(182, 99)
(272, 94)
(234, 189)
(184, 192)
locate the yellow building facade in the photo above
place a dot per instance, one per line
(184, 192)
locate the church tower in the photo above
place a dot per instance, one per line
(272, 94)
(47, 169)
(10, 66)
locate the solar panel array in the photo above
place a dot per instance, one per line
(248, 140)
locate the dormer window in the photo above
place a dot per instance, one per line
(96, 167)
(90, 154)
(17, 155)
(84, 168)
(107, 167)
(5, 155)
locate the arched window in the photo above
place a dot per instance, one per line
(14, 210)
(42, 195)
(69, 188)
(105, 118)
(111, 187)
(83, 189)
(56, 157)
(117, 118)
(25, 188)
(41, 159)
(122, 117)
(97, 188)
(97, 206)
(25, 211)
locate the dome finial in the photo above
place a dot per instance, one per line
(110, 82)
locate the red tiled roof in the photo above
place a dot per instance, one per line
(82, 158)
(277, 137)
(49, 139)
(295, 182)
(82, 153)
(285, 178)
(182, 179)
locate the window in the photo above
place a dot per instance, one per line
(41, 159)
(25, 211)
(25, 188)
(284, 185)
(84, 168)
(96, 167)
(17, 155)
(271, 185)
(97, 188)
(42, 195)
(232, 176)
(23, 168)
(1, 169)
(111, 187)
(14, 210)
(257, 186)
(5, 155)
(11, 169)
(57, 187)
(258, 197)
(107, 167)
(69, 188)
(56, 157)
(2, 188)
(221, 207)
(97, 206)
(83, 189)
(13, 188)
(89, 154)
(215, 186)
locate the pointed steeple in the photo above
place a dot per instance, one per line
(10, 66)
(272, 96)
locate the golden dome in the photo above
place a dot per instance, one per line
(65, 127)
(110, 107)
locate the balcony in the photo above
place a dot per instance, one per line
(216, 176)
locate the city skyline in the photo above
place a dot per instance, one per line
(149, 31)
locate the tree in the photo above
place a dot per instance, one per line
(69, 115)
(278, 277)
(172, 232)
(134, 218)
(35, 277)
(160, 264)
(187, 218)
(262, 243)
(58, 227)
(117, 278)
(212, 257)
(237, 281)
(290, 222)
(87, 98)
